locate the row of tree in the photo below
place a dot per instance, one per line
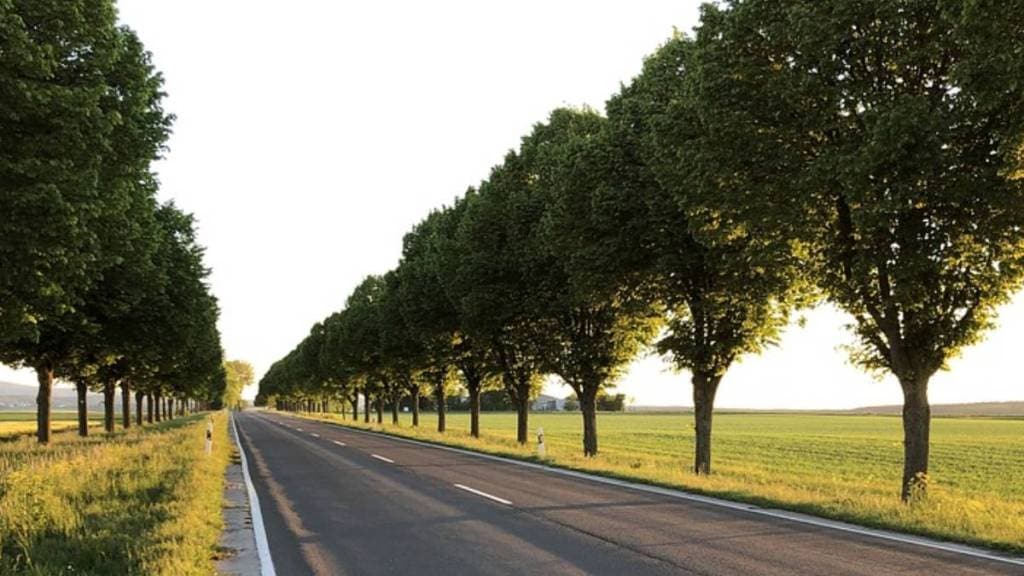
(101, 285)
(867, 154)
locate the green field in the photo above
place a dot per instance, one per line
(19, 423)
(144, 501)
(845, 467)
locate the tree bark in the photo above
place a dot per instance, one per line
(588, 406)
(367, 407)
(474, 408)
(355, 407)
(44, 406)
(522, 418)
(108, 406)
(158, 408)
(916, 433)
(138, 408)
(704, 389)
(380, 407)
(126, 406)
(83, 408)
(149, 408)
(395, 400)
(441, 406)
(415, 398)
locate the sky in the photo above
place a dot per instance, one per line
(311, 135)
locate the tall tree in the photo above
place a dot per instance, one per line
(599, 320)
(883, 137)
(726, 291)
(492, 281)
(435, 257)
(82, 121)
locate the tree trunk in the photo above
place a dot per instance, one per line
(149, 408)
(367, 407)
(355, 407)
(108, 406)
(415, 406)
(126, 406)
(395, 398)
(916, 432)
(522, 418)
(380, 407)
(44, 374)
(158, 407)
(474, 409)
(704, 389)
(138, 408)
(588, 406)
(441, 406)
(83, 408)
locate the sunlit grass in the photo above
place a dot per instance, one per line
(146, 501)
(20, 423)
(844, 467)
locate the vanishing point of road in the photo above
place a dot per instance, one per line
(339, 501)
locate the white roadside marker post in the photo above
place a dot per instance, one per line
(541, 450)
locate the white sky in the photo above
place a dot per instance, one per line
(311, 135)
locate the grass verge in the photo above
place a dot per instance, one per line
(143, 501)
(840, 467)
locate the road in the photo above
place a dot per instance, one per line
(338, 501)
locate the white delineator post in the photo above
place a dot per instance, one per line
(540, 443)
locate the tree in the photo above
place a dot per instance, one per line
(82, 121)
(726, 291)
(239, 375)
(582, 288)
(882, 136)
(436, 251)
(491, 283)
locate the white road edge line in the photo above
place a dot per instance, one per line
(750, 508)
(382, 459)
(262, 547)
(484, 494)
(339, 443)
(314, 435)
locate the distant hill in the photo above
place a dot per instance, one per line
(20, 397)
(968, 409)
(989, 409)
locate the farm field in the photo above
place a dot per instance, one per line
(839, 466)
(18, 423)
(145, 501)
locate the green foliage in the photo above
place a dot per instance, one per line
(898, 147)
(239, 374)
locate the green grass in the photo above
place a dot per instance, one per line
(18, 423)
(145, 501)
(843, 467)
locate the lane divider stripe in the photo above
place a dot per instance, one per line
(484, 494)
(382, 459)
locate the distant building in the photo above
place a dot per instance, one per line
(545, 403)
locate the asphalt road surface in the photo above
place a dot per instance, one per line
(337, 501)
